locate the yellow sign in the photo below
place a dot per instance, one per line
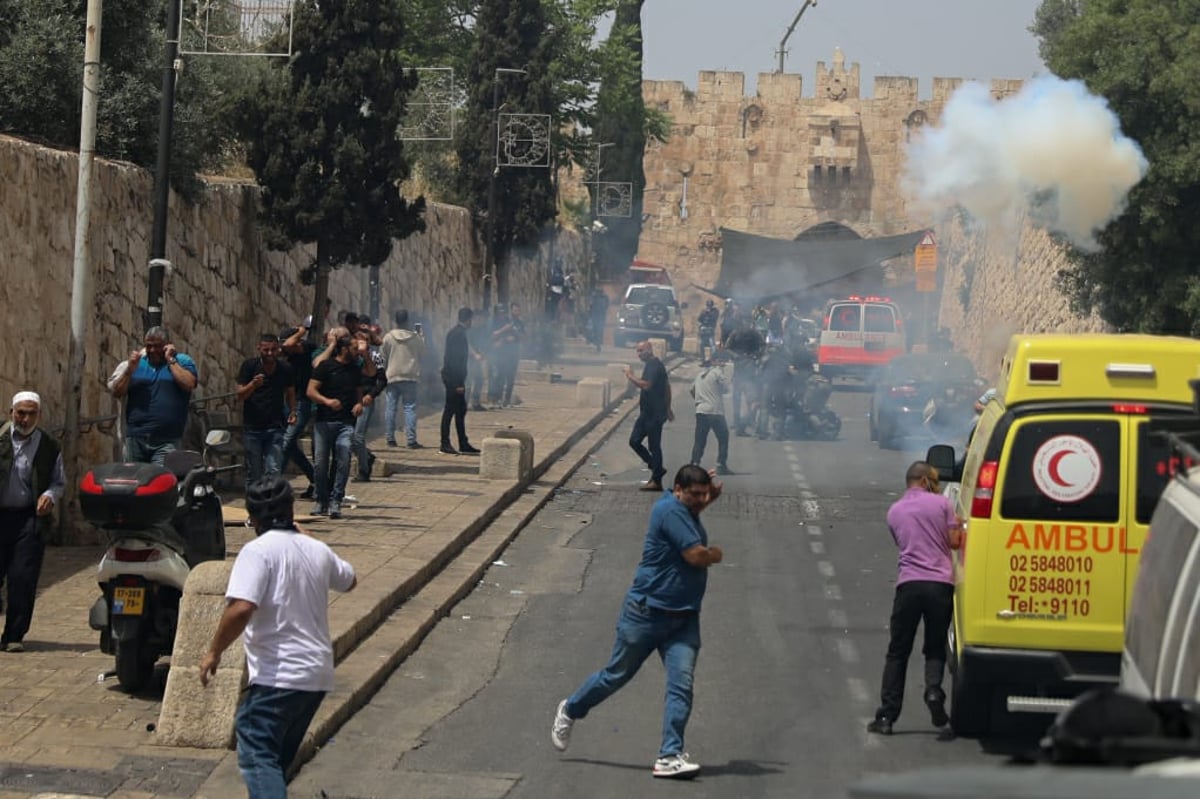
(925, 259)
(926, 281)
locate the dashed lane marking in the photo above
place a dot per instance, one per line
(847, 651)
(833, 592)
(838, 619)
(817, 547)
(858, 690)
(826, 569)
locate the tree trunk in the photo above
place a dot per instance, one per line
(319, 327)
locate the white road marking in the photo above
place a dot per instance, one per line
(811, 509)
(837, 618)
(832, 591)
(870, 740)
(814, 529)
(847, 651)
(817, 547)
(825, 568)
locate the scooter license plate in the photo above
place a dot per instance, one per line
(128, 601)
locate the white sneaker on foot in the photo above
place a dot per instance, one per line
(560, 733)
(676, 766)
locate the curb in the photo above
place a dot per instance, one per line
(369, 652)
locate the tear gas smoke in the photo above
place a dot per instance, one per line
(1052, 151)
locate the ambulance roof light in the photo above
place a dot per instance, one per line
(1130, 370)
(1045, 372)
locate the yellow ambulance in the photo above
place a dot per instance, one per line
(1057, 488)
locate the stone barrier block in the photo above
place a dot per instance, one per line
(593, 392)
(526, 439)
(192, 715)
(661, 350)
(501, 459)
(616, 375)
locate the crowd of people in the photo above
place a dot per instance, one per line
(331, 384)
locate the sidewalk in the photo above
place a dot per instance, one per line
(418, 536)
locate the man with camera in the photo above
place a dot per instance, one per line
(157, 383)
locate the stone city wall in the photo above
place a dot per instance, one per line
(995, 284)
(224, 290)
(776, 163)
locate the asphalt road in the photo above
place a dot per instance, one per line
(794, 629)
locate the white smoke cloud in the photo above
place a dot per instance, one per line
(1052, 151)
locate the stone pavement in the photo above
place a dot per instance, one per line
(420, 534)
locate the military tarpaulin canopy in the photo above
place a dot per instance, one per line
(760, 267)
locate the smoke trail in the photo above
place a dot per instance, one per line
(1053, 151)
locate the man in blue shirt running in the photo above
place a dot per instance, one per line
(661, 614)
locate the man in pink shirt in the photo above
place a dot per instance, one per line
(925, 528)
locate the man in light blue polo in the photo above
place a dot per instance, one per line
(157, 382)
(661, 614)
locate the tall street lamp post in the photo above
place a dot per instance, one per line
(489, 257)
(162, 166)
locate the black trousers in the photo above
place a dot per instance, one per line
(649, 430)
(456, 409)
(21, 550)
(503, 378)
(917, 601)
(716, 423)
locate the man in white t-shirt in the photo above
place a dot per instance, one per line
(278, 596)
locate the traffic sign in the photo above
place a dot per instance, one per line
(926, 281)
(925, 258)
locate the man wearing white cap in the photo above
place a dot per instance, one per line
(31, 485)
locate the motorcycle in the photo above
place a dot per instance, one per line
(160, 522)
(796, 406)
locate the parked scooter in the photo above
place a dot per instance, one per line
(160, 523)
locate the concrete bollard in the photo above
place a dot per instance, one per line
(192, 715)
(593, 392)
(660, 348)
(526, 439)
(501, 459)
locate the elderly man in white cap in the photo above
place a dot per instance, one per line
(31, 484)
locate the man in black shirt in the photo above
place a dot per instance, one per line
(336, 388)
(266, 387)
(299, 351)
(654, 410)
(454, 378)
(506, 350)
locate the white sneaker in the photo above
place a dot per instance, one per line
(349, 499)
(560, 733)
(676, 766)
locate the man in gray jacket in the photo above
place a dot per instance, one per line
(709, 390)
(402, 350)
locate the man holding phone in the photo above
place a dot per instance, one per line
(402, 351)
(157, 383)
(266, 387)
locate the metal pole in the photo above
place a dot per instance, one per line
(489, 254)
(81, 275)
(792, 27)
(162, 166)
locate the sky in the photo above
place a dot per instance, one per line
(980, 39)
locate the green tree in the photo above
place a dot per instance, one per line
(1142, 56)
(41, 68)
(509, 34)
(323, 141)
(623, 122)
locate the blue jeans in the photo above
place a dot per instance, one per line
(640, 631)
(291, 439)
(401, 392)
(270, 728)
(358, 442)
(146, 450)
(264, 453)
(332, 439)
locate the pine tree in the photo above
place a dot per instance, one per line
(509, 34)
(325, 147)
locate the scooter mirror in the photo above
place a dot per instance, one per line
(216, 439)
